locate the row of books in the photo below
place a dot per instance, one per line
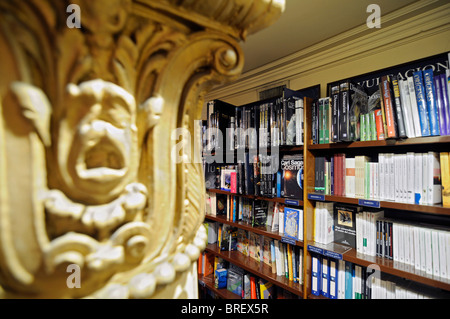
(272, 122)
(425, 247)
(283, 259)
(275, 217)
(416, 106)
(235, 279)
(261, 175)
(415, 178)
(339, 279)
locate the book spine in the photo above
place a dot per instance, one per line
(446, 85)
(314, 117)
(414, 107)
(344, 101)
(321, 122)
(326, 124)
(445, 169)
(440, 105)
(430, 93)
(399, 109)
(389, 107)
(335, 113)
(379, 124)
(421, 103)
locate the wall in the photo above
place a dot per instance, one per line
(413, 32)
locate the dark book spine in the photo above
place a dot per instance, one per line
(391, 122)
(398, 108)
(335, 113)
(343, 111)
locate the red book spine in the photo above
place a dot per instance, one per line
(388, 107)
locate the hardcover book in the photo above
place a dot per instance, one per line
(345, 224)
(292, 167)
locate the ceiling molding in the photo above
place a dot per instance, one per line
(402, 26)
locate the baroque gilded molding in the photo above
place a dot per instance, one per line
(87, 173)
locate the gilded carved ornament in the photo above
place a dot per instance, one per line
(86, 170)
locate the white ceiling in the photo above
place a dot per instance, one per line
(307, 22)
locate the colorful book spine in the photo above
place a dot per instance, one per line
(379, 124)
(440, 106)
(398, 108)
(430, 94)
(445, 170)
(445, 100)
(388, 107)
(422, 103)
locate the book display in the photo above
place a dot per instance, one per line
(343, 197)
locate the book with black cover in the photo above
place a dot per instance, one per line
(345, 224)
(260, 213)
(292, 166)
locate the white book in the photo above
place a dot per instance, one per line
(405, 178)
(397, 175)
(395, 243)
(412, 244)
(277, 257)
(434, 177)
(376, 191)
(423, 253)
(391, 177)
(447, 245)
(428, 252)
(359, 233)
(299, 121)
(300, 225)
(350, 179)
(417, 247)
(341, 279)
(406, 243)
(381, 175)
(410, 177)
(414, 107)
(281, 222)
(276, 218)
(406, 108)
(418, 177)
(364, 232)
(329, 222)
(425, 180)
(435, 252)
(401, 243)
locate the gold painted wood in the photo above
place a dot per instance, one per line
(87, 169)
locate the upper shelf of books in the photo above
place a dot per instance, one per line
(406, 104)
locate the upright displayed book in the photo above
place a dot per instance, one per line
(292, 167)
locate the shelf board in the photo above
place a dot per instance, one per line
(281, 200)
(208, 281)
(246, 226)
(390, 267)
(258, 268)
(383, 143)
(430, 209)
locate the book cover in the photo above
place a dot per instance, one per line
(335, 113)
(414, 106)
(234, 279)
(344, 107)
(267, 289)
(358, 104)
(430, 94)
(422, 103)
(387, 96)
(292, 167)
(260, 213)
(291, 222)
(345, 224)
(400, 116)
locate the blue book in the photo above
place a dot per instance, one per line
(421, 103)
(445, 101)
(430, 93)
(291, 220)
(348, 280)
(333, 274)
(440, 105)
(316, 275)
(325, 278)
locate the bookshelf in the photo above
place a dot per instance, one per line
(396, 210)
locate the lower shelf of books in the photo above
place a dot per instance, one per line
(387, 266)
(208, 282)
(257, 268)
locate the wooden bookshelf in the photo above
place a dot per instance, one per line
(258, 268)
(384, 143)
(248, 227)
(426, 209)
(388, 266)
(281, 200)
(208, 281)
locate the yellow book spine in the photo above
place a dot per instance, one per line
(291, 272)
(445, 178)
